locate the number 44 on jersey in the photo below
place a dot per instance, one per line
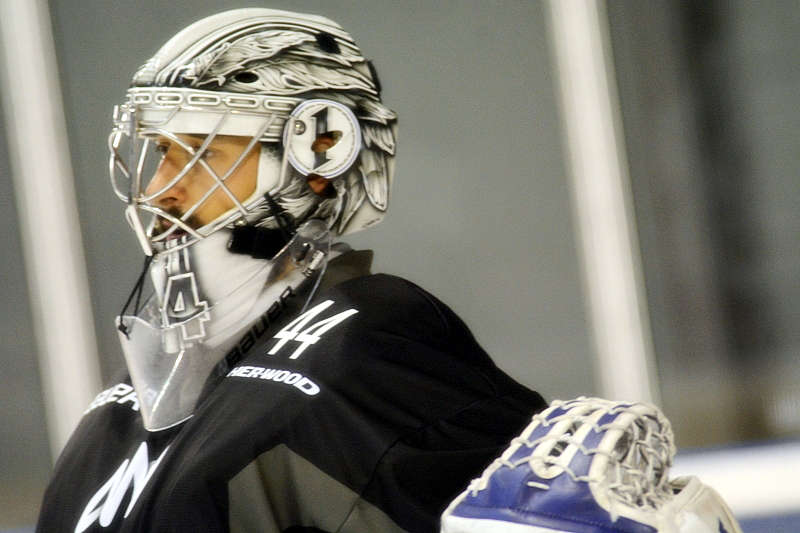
(299, 330)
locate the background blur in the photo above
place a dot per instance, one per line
(481, 210)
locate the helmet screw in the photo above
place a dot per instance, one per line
(299, 127)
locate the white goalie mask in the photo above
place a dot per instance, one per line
(243, 146)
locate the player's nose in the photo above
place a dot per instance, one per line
(165, 193)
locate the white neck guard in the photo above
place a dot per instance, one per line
(205, 298)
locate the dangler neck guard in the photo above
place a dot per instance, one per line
(204, 298)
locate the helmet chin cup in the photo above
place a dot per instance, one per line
(322, 137)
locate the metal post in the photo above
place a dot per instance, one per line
(602, 200)
(45, 197)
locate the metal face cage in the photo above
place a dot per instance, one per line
(152, 113)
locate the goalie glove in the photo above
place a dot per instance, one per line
(589, 466)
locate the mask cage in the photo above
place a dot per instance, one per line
(149, 113)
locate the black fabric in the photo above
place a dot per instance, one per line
(261, 243)
(396, 401)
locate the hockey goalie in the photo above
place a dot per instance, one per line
(272, 383)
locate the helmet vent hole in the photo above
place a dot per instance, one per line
(246, 77)
(328, 43)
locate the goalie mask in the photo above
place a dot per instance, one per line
(243, 146)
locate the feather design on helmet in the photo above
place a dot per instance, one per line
(375, 178)
(283, 62)
(352, 200)
(287, 78)
(379, 136)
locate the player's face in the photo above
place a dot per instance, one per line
(221, 154)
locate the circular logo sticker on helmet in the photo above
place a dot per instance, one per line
(323, 139)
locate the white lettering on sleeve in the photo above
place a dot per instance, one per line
(136, 471)
(287, 377)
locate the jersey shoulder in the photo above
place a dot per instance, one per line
(396, 306)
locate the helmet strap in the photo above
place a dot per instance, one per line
(137, 291)
(264, 243)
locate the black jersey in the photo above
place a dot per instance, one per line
(368, 412)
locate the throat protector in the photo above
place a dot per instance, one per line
(198, 310)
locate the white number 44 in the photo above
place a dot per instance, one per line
(293, 331)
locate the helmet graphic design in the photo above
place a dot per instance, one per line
(281, 79)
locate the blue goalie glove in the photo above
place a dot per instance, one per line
(589, 466)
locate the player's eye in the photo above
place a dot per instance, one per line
(207, 154)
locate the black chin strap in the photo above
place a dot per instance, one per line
(137, 290)
(264, 243)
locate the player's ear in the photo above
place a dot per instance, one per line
(325, 141)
